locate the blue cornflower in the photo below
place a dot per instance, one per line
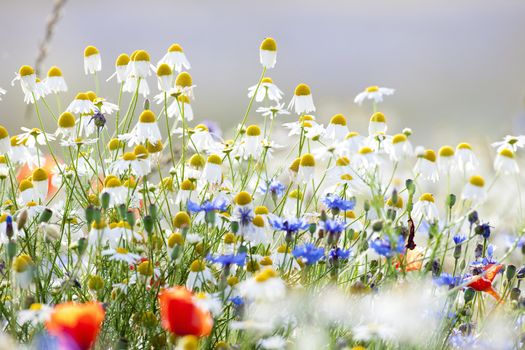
(485, 230)
(333, 201)
(458, 239)
(237, 301)
(289, 225)
(244, 215)
(489, 259)
(446, 279)
(274, 187)
(227, 260)
(333, 226)
(339, 254)
(385, 248)
(208, 206)
(309, 253)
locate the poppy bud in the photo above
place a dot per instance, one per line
(451, 200)
(148, 224)
(45, 216)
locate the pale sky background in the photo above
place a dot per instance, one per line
(458, 66)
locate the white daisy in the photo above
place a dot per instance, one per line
(375, 93)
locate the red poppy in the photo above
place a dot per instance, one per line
(75, 322)
(483, 282)
(181, 315)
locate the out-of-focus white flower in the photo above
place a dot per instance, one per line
(426, 165)
(505, 162)
(425, 208)
(375, 93)
(265, 285)
(266, 89)
(55, 82)
(510, 142)
(474, 189)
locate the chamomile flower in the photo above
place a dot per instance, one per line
(103, 106)
(4, 168)
(133, 83)
(510, 142)
(40, 181)
(365, 159)
(183, 85)
(19, 153)
(117, 192)
(336, 129)
(4, 140)
(267, 89)
(175, 58)
(121, 68)
(474, 189)
(82, 104)
(128, 163)
(212, 172)
(265, 285)
(26, 75)
(466, 158)
(302, 102)
(377, 125)
(201, 138)
(181, 107)
(425, 208)
(374, 93)
(505, 162)
(140, 65)
(273, 111)
(146, 129)
(426, 165)
(400, 148)
(121, 254)
(36, 314)
(199, 275)
(32, 137)
(306, 167)
(446, 159)
(252, 142)
(23, 267)
(164, 77)
(98, 234)
(66, 126)
(55, 82)
(92, 60)
(268, 53)
(353, 142)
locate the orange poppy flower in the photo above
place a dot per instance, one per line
(49, 163)
(412, 260)
(76, 322)
(483, 282)
(181, 315)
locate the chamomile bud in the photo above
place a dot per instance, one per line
(268, 53)
(337, 128)
(176, 58)
(306, 167)
(212, 172)
(377, 124)
(92, 60)
(474, 189)
(302, 102)
(165, 77)
(505, 162)
(55, 82)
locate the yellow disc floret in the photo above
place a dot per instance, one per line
(122, 60)
(25, 185)
(187, 185)
(302, 90)
(164, 70)
(214, 159)
(40, 174)
(22, 262)
(258, 221)
(253, 130)
(427, 197)
(378, 117)
(506, 153)
(66, 120)
(181, 220)
(464, 145)
(338, 119)
(129, 156)
(90, 51)
(398, 138)
(175, 48)
(264, 275)
(147, 116)
(183, 80)
(269, 44)
(3, 132)
(261, 210)
(243, 198)
(446, 151)
(477, 180)
(430, 155)
(140, 55)
(197, 161)
(307, 160)
(54, 72)
(24, 71)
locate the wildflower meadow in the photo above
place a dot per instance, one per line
(136, 223)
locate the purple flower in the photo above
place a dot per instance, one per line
(339, 254)
(227, 260)
(309, 253)
(446, 279)
(208, 206)
(333, 201)
(274, 187)
(333, 226)
(458, 239)
(289, 225)
(384, 247)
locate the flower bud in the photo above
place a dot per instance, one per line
(45, 216)
(104, 200)
(451, 200)
(148, 224)
(511, 272)
(469, 295)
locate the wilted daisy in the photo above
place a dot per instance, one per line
(266, 89)
(474, 189)
(92, 60)
(375, 93)
(425, 208)
(268, 53)
(377, 124)
(505, 162)
(175, 58)
(121, 68)
(66, 126)
(82, 104)
(400, 147)
(426, 165)
(446, 159)
(55, 82)
(164, 77)
(336, 129)
(212, 172)
(302, 101)
(466, 158)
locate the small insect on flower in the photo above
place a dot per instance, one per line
(175, 58)
(268, 53)
(474, 189)
(505, 162)
(76, 325)
(55, 82)
(375, 93)
(267, 89)
(181, 315)
(302, 102)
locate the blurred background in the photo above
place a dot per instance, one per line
(458, 67)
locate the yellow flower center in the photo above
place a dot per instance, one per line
(140, 55)
(477, 180)
(113, 182)
(307, 160)
(187, 185)
(184, 80)
(54, 72)
(446, 151)
(25, 185)
(25, 71)
(164, 70)
(82, 96)
(398, 138)
(365, 150)
(175, 48)
(378, 117)
(464, 145)
(40, 174)
(261, 210)
(430, 155)
(181, 219)
(121, 250)
(269, 44)
(129, 156)
(258, 221)
(342, 161)
(243, 198)
(427, 197)
(265, 275)
(122, 60)
(66, 120)
(351, 134)
(214, 159)
(3, 132)
(338, 119)
(22, 262)
(295, 165)
(373, 88)
(175, 238)
(229, 238)
(197, 266)
(114, 144)
(141, 152)
(90, 51)
(147, 116)
(253, 130)
(302, 90)
(506, 153)
(267, 80)
(145, 268)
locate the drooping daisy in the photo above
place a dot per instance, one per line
(466, 158)
(4, 168)
(425, 208)
(4, 140)
(55, 82)
(400, 148)
(121, 68)
(117, 192)
(426, 165)
(92, 60)
(146, 129)
(176, 58)
(26, 75)
(23, 267)
(302, 101)
(505, 162)
(268, 53)
(66, 126)
(164, 77)
(186, 192)
(375, 93)
(140, 64)
(336, 129)
(446, 159)
(266, 89)
(19, 153)
(474, 189)
(27, 191)
(98, 234)
(40, 181)
(122, 255)
(353, 142)
(183, 85)
(201, 138)
(128, 163)
(252, 142)
(377, 124)
(306, 167)
(81, 104)
(212, 172)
